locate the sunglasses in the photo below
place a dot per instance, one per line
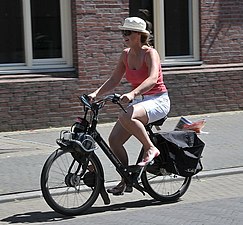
(126, 32)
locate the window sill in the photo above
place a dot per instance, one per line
(25, 70)
(26, 78)
(203, 68)
(181, 63)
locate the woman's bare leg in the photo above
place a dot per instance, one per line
(130, 123)
(119, 135)
(133, 121)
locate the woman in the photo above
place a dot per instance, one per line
(150, 102)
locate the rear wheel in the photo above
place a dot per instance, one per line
(166, 186)
(71, 181)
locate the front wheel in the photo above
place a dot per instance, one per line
(165, 187)
(71, 181)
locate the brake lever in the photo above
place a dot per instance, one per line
(118, 103)
(116, 99)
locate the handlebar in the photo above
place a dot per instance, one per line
(94, 106)
(114, 98)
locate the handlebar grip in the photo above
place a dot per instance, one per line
(85, 100)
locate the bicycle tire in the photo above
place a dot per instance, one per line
(166, 187)
(66, 192)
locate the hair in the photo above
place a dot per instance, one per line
(145, 39)
(146, 15)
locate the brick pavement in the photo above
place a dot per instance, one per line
(23, 153)
(210, 200)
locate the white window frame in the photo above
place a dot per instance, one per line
(51, 64)
(159, 35)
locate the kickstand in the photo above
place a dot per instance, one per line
(104, 195)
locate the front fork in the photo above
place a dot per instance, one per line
(84, 163)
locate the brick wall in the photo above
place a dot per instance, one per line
(41, 101)
(98, 41)
(52, 102)
(205, 89)
(98, 44)
(221, 31)
(37, 102)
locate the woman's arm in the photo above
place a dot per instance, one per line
(113, 80)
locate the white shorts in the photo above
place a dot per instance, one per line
(157, 106)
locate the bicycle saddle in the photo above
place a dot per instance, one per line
(159, 122)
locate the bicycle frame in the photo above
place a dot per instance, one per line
(130, 174)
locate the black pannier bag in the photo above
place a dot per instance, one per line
(180, 153)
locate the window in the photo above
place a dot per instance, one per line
(176, 31)
(36, 35)
(175, 28)
(46, 29)
(12, 36)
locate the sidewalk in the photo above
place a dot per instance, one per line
(23, 153)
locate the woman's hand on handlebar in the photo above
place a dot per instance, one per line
(128, 97)
(92, 96)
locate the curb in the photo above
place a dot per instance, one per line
(220, 172)
(38, 194)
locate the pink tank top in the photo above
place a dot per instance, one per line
(136, 77)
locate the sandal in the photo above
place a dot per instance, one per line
(120, 189)
(150, 155)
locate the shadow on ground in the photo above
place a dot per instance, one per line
(38, 216)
